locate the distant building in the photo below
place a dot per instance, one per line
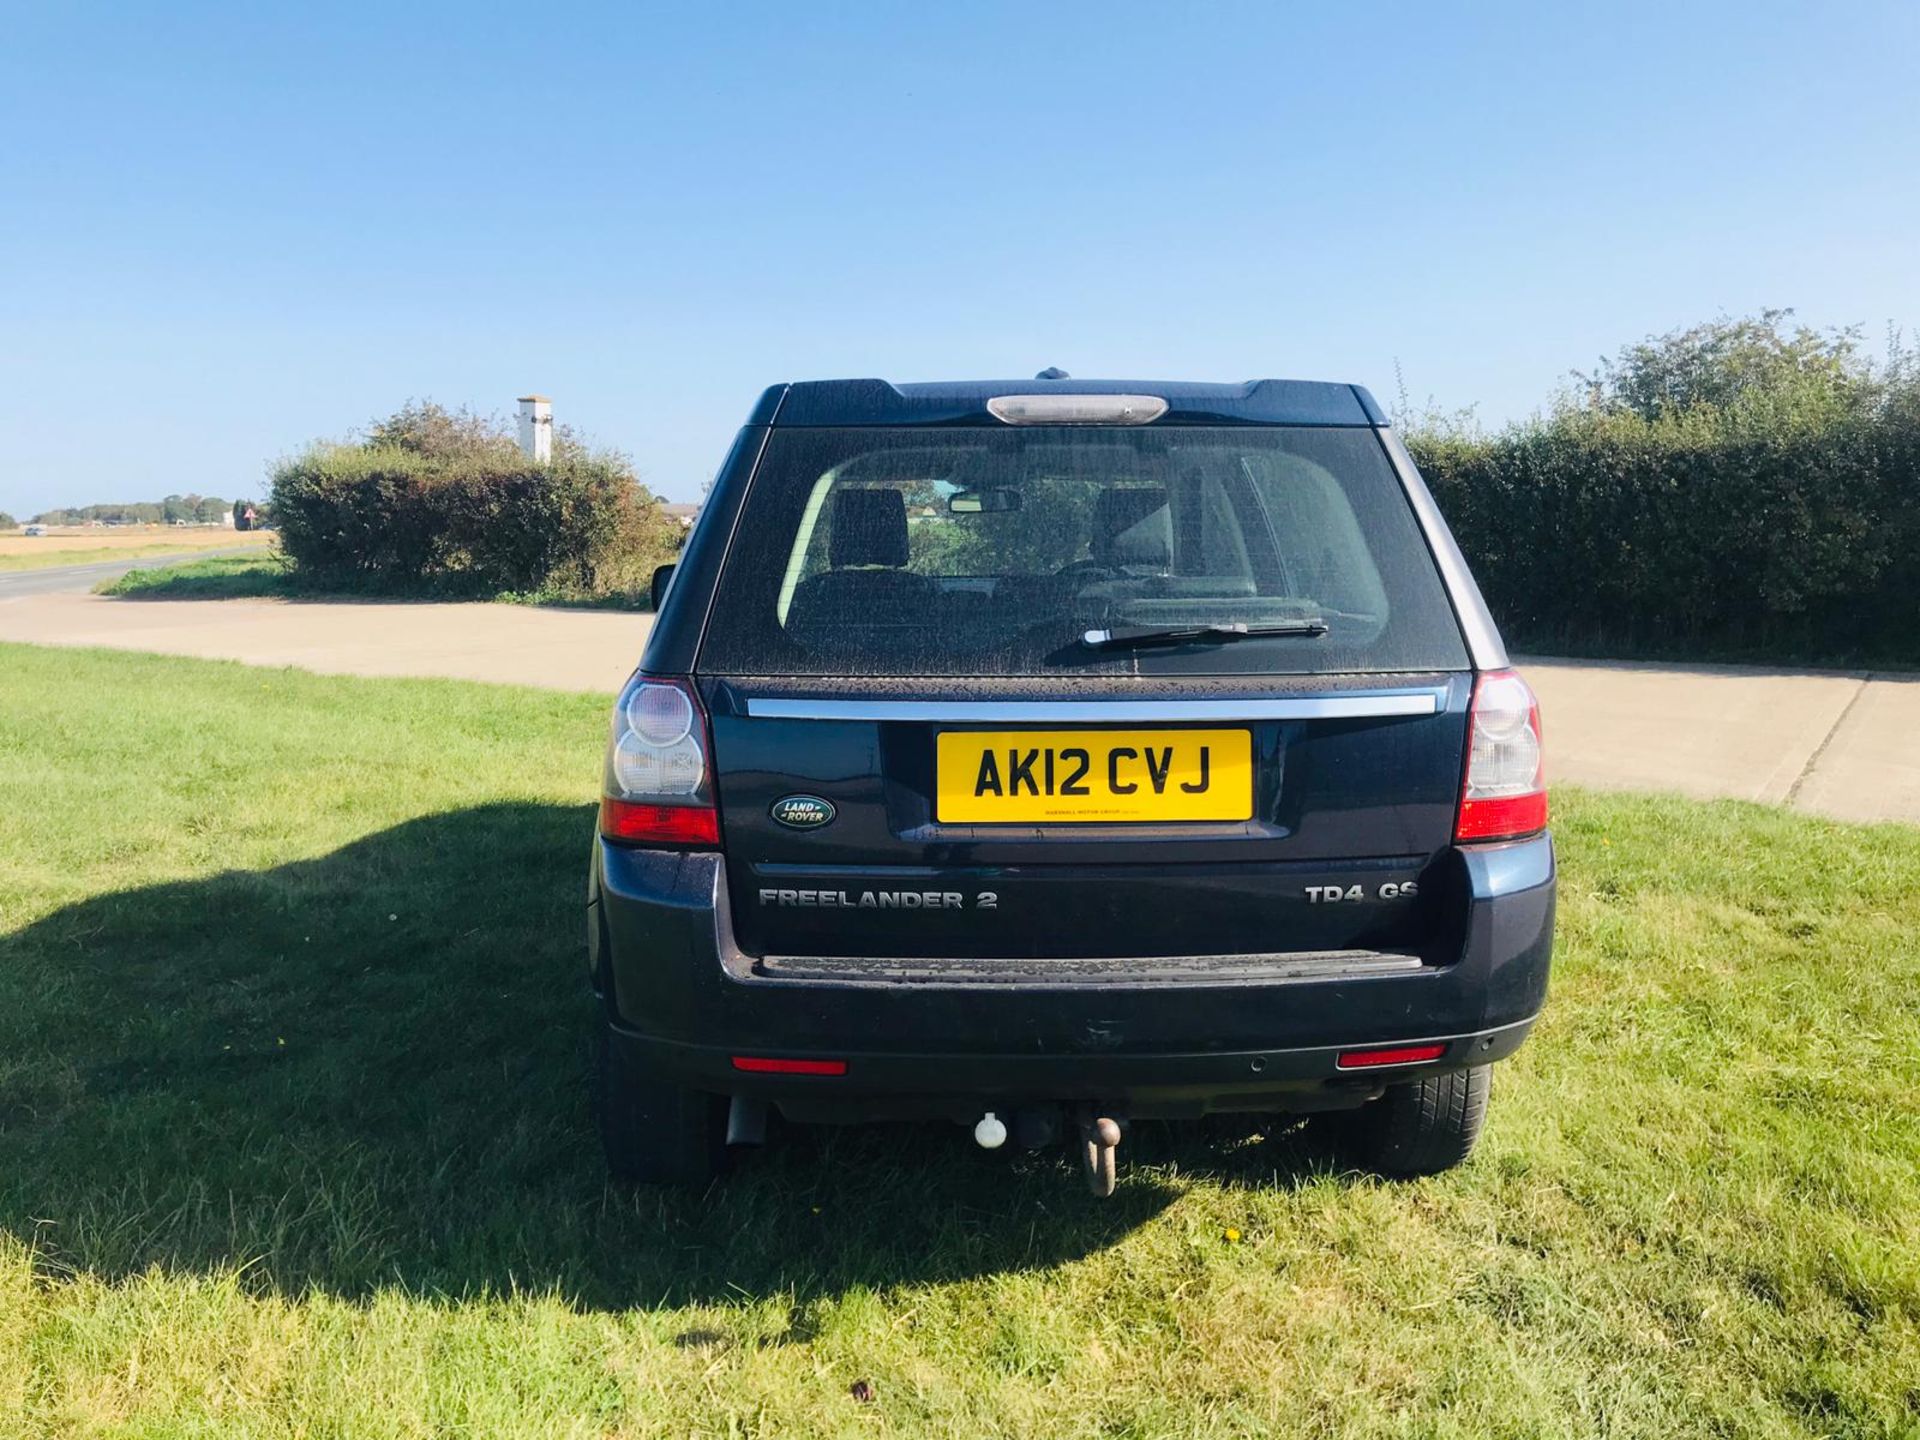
(684, 514)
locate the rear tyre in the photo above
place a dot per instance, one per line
(1426, 1125)
(654, 1132)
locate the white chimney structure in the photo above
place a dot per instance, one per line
(536, 428)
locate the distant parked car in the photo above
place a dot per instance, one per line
(36, 529)
(1047, 755)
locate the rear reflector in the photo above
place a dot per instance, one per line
(637, 824)
(766, 1065)
(1402, 1055)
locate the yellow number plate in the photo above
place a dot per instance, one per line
(1018, 777)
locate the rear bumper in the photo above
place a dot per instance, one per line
(1152, 1084)
(687, 1001)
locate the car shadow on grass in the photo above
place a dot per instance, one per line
(367, 1070)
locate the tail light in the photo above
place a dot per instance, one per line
(658, 785)
(1504, 794)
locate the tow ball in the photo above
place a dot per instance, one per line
(1099, 1139)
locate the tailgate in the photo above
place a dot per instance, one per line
(991, 820)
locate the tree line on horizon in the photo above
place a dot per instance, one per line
(193, 509)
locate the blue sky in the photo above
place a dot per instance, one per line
(227, 230)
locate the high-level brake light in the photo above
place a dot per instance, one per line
(1504, 793)
(1076, 409)
(657, 788)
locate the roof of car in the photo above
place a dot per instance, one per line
(964, 402)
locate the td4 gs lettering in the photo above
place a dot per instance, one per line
(1391, 890)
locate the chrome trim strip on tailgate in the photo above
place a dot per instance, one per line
(1366, 706)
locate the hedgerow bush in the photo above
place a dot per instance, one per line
(1737, 490)
(440, 503)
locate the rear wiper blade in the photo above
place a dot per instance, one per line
(1130, 639)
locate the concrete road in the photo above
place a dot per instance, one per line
(1846, 745)
(511, 644)
(1869, 766)
(1837, 743)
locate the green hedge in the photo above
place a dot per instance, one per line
(1796, 539)
(388, 519)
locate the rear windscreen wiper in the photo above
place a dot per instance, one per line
(1129, 639)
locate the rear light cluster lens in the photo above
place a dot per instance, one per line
(656, 753)
(660, 714)
(658, 788)
(1505, 791)
(659, 825)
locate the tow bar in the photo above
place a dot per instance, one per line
(1037, 1127)
(1099, 1139)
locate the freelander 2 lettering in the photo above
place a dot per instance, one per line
(879, 899)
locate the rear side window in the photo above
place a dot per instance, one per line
(916, 551)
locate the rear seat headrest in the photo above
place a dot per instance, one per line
(869, 528)
(1121, 534)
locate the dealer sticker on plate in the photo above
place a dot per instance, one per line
(1025, 777)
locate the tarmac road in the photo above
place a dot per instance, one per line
(79, 579)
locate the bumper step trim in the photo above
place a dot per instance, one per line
(1319, 965)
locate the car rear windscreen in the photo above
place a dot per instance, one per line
(1012, 552)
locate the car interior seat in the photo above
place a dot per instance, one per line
(866, 585)
(1132, 527)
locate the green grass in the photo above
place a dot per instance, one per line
(240, 577)
(292, 1138)
(217, 577)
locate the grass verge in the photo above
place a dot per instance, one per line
(242, 577)
(216, 577)
(292, 1139)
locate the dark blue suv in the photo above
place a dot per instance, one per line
(1048, 754)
